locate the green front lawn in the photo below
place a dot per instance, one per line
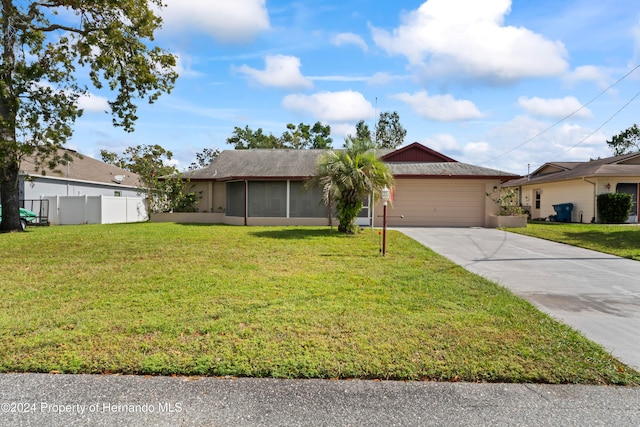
(271, 302)
(620, 240)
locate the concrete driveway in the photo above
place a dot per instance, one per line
(595, 293)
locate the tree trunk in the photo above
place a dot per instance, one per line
(9, 161)
(10, 198)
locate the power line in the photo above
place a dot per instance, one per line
(601, 126)
(570, 115)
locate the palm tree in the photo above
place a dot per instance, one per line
(347, 177)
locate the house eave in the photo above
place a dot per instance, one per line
(450, 176)
(546, 180)
(80, 181)
(252, 178)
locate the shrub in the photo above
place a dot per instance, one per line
(614, 208)
(508, 203)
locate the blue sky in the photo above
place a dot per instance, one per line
(486, 82)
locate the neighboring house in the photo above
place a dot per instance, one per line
(87, 187)
(579, 183)
(83, 176)
(268, 187)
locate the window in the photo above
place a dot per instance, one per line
(117, 193)
(537, 199)
(632, 189)
(364, 212)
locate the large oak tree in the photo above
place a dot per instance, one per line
(47, 46)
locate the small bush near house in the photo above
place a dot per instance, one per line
(185, 202)
(508, 203)
(614, 208)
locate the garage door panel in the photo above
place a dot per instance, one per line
(438, 203)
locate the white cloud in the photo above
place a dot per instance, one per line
(442, 142)
(526, 141)
(475, 150)
(571, 134)
(345, 106)
(342, 130)
(88, 102)
(336, 78)
(349, 39)
(93, 103)
(443, 108)
(280, 71)
(183, 66)
(588, 73)
(231, 21)
(468, 37)
(381, 79)
(554, 108)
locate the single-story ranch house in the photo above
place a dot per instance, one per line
(579, 183)
(268, 187)
(81, 176)
(81, 191)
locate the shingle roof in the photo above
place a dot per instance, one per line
(264, 163)
(291, 163)
(610, 166)
(85, 168)
(453, 169)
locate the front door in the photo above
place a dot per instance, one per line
(535, 209)
(364, 217)
(630, 188)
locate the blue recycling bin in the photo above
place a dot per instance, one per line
(563, 212)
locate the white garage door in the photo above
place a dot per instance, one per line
(438, 203)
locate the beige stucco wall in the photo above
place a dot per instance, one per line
(220, 218)
(581, 192)
(214, 196)
(289, 221)
(203, 189)
(189, 217)
(219, 198)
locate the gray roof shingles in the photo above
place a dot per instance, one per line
(451, 169)
(265, 163)
(610, 166)
(291, 163)
(85, 168)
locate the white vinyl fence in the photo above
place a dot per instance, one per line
(69, 210)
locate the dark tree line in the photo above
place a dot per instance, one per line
(298, 137)
(389, 133)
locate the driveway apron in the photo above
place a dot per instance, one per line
(595, 293)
